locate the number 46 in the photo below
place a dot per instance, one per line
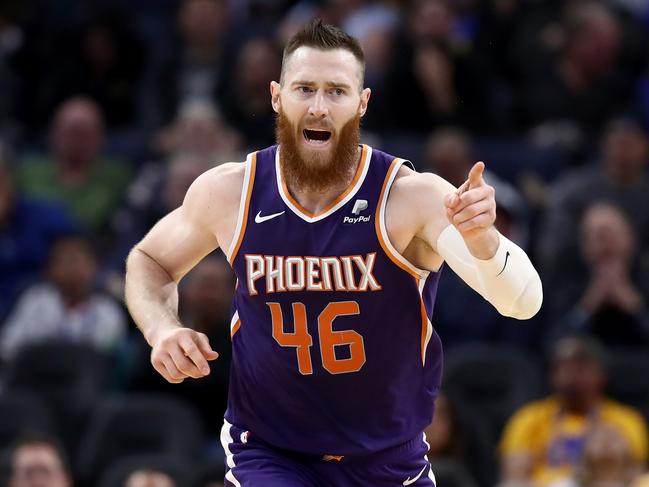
(329, 339)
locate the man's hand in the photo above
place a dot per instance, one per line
(472, 210)
(179, 353)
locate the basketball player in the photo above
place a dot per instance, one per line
(337, 248)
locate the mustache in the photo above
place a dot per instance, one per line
(317, 124)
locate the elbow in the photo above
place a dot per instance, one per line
(529, 302)
(132, 261)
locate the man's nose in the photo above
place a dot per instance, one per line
(318, 107)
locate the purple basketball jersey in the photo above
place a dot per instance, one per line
(333, 348)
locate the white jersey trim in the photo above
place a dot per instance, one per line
(392, 174)
(429, 325)
(242, 207)
(431, 475)
(226, 441)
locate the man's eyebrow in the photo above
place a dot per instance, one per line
(329, 84)
(337, 84)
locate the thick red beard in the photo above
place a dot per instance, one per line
(319, 172)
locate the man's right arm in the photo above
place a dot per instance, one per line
(205, 221)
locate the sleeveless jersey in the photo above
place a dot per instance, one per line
(333, 351)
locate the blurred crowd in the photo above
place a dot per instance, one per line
(110, 109)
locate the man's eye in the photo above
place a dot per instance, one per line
(304, 89)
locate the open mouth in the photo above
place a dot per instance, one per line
(316, 136)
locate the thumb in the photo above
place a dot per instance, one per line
(451, 200)
(204, 346)
(475, 175)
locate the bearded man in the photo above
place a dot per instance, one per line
(337, 248)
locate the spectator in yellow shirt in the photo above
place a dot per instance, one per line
(544, 441)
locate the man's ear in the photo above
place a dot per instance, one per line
(275, 88)
(365, 98)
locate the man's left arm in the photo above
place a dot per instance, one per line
(460, 228)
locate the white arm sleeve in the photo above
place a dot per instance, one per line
(508, 280)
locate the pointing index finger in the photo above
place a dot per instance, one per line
(475, 175)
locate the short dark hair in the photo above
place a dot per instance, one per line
(588, 349)
(323, 36)
(72, 236)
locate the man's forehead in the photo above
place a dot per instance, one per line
(331, 65)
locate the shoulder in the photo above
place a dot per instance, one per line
(622, 414)
(418, 197)
(419, 184)
(35, 298)
(525, 429)
(38, 292)
(33, 168)
(535, 412)
(216, 190)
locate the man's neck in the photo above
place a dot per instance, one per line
(316, 201)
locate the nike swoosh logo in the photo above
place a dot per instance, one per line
(262, 219)
(505, 265)
(409, 481)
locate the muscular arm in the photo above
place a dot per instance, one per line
(432, 221)
(205, 221)
(155, 266)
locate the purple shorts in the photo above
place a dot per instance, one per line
(253, 463)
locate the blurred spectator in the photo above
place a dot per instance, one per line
(11, 40)
(584, 85)
(375, 26)
(156, 192)
(38, 460)
(205, 299)
(611, 301)
(607, 461)
(106, 65)
(449, 154)
(199, 129)
(246, 103)
(432, 80)
(444, 435)
(639, 8)
(620, 178)
(65, 306)
(207, 296)
(149, 478)
(298, 15)
(27, 227)
(544, 441)
(195, 69)
(76, 173)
